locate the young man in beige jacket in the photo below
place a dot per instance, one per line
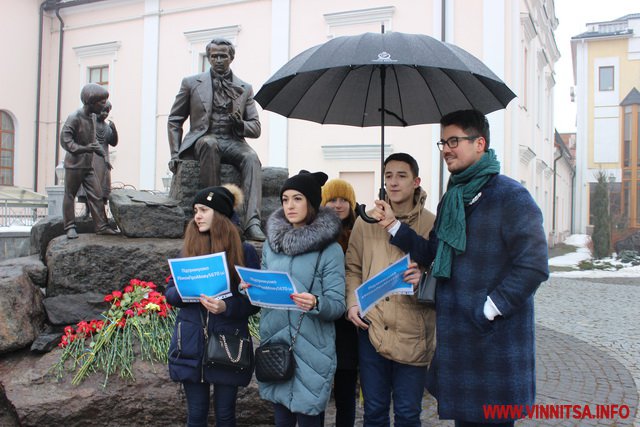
(397, 337)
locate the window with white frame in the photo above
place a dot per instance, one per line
(99, 75)
(605, 78)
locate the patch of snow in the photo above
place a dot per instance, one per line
(582, 253)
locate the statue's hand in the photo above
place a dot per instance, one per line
(237, 122)
(173, 165)
(236, 116)
(97, 149)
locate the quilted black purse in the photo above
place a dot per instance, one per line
(275, 361)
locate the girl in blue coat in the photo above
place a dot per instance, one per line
(211, 231)
(300, 236)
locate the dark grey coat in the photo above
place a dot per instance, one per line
(195, 100)
(478, 362)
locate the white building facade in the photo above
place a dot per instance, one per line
(141, 49)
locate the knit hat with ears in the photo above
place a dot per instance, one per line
(337, 187)
(309, 184)
(224, 199)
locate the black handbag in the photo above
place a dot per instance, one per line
(275, 361)
(427, 288)
(227, 351)
(231, 352)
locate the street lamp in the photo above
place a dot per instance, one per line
(60, 173)
(166, 181)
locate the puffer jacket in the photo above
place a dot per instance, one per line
(296, 251)
(401, 329)
(186, 350)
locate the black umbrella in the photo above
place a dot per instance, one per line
(378, 79)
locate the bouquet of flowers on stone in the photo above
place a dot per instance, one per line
(139, 323)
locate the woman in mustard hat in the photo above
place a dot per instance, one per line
(338, 195)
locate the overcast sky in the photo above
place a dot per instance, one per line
(573, 15)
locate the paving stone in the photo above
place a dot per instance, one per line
(588, 351)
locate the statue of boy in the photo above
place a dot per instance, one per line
(78, 139)
(106, 135)
(222, 113)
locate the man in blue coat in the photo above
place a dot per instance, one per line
(489, 254)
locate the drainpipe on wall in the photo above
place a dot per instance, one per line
(573, 196)
(555, 178)
(36, 144)
(59, 96)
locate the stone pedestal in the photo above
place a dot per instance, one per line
(143, 214)
(186, 183)
(55, 195)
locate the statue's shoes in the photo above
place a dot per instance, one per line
(107, 232)
(254, 233)
(72, 233)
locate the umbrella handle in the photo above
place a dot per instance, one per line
(361, 210)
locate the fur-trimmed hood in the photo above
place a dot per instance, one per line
(284, 238)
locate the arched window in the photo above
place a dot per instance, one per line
(7, 141)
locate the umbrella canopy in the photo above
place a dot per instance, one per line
(378, 79)
(342, 80)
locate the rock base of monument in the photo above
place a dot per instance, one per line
(64, 281)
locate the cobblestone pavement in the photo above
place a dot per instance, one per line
(588, 351)
(599, 321)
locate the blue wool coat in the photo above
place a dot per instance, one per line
(186, 349)
(478, 362)
(296, 252)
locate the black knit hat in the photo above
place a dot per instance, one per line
(309, 184)
(219, 199)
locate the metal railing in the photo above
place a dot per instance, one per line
(20, 212)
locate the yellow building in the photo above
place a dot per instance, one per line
(606, 63)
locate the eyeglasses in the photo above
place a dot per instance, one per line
(453, 141)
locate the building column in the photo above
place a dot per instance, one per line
(280, 34)
(493, 55)
(149, 105)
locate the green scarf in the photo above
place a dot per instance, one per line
(452, 223)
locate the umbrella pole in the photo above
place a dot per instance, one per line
(361, 209)
(383, 77)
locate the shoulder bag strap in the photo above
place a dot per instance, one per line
(313, 279)
(205, 324)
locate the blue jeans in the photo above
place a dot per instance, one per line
(198, 400)
(285, 418)
(383, 379)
